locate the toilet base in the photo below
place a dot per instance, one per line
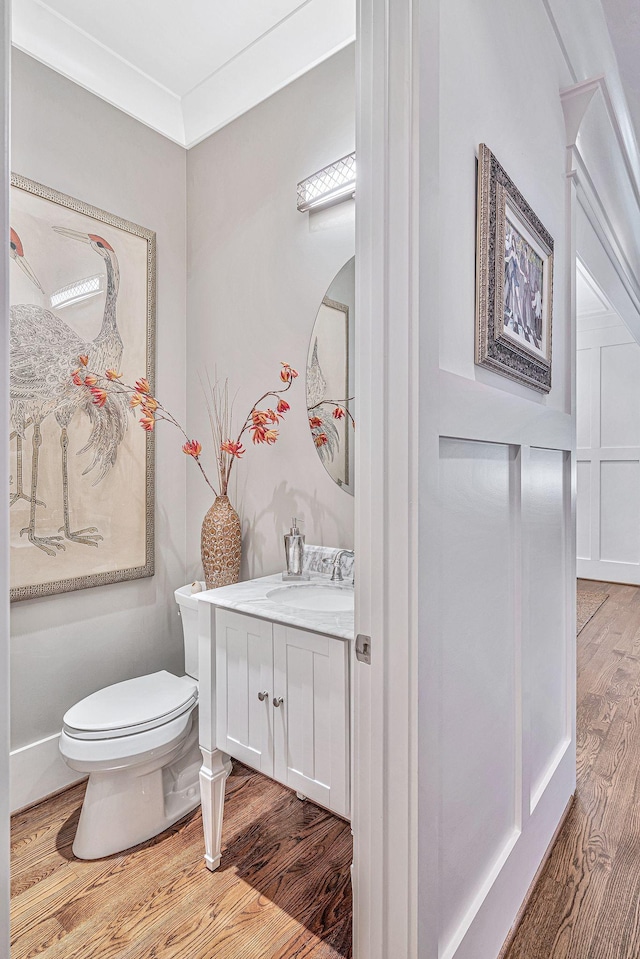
(125, 807)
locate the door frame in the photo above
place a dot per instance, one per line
(5, 55)
(384, 787)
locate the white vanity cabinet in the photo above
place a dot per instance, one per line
(282, 704)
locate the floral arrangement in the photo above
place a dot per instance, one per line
(260, 423)
(323, 431)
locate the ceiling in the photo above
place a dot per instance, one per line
(593, 310)
(188, 68)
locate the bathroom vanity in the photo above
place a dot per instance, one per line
(275, 690)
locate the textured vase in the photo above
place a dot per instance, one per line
(221, 544)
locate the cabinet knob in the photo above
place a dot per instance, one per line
(278, 700)
(263, 696)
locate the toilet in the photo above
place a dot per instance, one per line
(138, 742)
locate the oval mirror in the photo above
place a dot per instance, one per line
(330, 401)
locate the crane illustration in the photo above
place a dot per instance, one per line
(16, 253)
(44, 352)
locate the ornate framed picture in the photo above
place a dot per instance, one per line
(82, 292)
(514, 277)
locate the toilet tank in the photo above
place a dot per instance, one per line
(188, 611)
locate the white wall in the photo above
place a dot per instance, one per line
(258, 271)
(608, 441)
(496, 576)
(66, 646)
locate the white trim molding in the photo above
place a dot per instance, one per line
(37, 771)
(591, 174)
(384, 797)
(313, 32)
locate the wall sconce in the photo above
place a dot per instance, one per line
(75, 292)
(333, 184)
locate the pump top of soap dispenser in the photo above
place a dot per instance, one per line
(294, 531)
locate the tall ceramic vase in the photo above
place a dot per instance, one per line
(221, 544)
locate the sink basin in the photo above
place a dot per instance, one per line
(316, 597)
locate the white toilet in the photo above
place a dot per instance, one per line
(138, 741)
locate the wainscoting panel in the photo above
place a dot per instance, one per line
(620, 511)
(583, 511)
(584, 373)
(547, 724)
(479, 485)
(608, 432)
(620, 395)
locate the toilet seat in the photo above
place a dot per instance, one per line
(120, 752)
(131, 707)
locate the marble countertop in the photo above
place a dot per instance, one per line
(251, 598)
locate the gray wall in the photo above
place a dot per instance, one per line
(258, 271)
(66, 646)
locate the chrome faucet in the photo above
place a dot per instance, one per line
(336, 572)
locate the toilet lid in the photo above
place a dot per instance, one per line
(131, 706)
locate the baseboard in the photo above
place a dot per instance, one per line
(525, 902)
(37, 771)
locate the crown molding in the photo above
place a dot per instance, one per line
(58, 44)
(603, 160)
(312, 33)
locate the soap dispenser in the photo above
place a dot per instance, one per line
(294, 552)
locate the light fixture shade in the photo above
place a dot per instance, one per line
(75, 292)
(332, 184)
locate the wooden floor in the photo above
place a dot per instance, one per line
(586, 904)
(283, 889)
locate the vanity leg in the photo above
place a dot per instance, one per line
(213, 775)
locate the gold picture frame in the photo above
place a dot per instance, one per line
(82, 484)
(514, 280)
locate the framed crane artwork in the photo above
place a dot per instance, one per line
(82, 285)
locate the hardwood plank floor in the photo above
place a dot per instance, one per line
(283, 889)
(586, 904)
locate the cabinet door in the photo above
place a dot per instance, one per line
(311, 726)
(244, 669)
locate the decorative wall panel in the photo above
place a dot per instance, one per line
(583, 510)
(620, 511)
(478, 717)
(620, 395)
(583, 397)
(544, 658)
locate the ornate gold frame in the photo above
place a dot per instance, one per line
(494, 348)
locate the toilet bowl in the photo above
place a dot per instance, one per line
(138, 742)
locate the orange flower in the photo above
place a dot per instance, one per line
(84, 360)
(321, 439)
(90, 380)
(263, 435)
(150, 403)
(112, 375)
(142, 385)
(99, 396)
(234, 449)
(338, 413)
(192, 448)
(147, 423)
(287, 373)
(283, 406)
(259, 417)
(272, 417)
(77, 379)
(315, 422)
(135, 400)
